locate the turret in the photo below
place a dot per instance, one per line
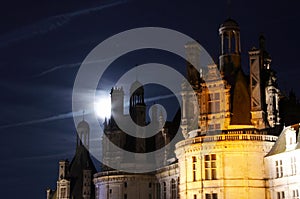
(117, 101)
(193, 64)
(83, 134)
(63, 169)
(230, 55)
(137, 106)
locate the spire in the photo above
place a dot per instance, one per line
(229, 8)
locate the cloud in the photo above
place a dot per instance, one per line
(50, 24)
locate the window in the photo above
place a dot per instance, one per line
(173, 189)
(211, 196)
(295, 194)
(293, 165)
(210, 167)
(63, 192)
(194, 168)
(125, 184)
(125, 196)
(164, 190)
(150, 196)
(195, 196)
(214, 103)
(279, 170)
(158, 196)
(280, 195)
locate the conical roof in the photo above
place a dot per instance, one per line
(81, 161)
(83, 125)
(229, 23)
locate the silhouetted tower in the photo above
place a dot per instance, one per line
(137, 107)
(137, 110)
(117, 101)
(83, 134)
(193, 64)
(111, 130)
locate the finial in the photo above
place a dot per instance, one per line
(228, 8)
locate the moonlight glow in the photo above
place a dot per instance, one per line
(102, 107)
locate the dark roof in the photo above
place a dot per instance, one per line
(53, 195)
(80, 162)
(136, 86)
(229, 23)
(84, 125)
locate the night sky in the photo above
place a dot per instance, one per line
(42, 44)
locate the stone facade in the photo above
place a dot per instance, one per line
(75, 178)
(282, 166)
(222, 153)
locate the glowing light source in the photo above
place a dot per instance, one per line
(102, 106)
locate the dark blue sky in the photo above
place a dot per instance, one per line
(42, 44)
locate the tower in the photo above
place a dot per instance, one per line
(272, 100)
(137, 107)
(117, 100)
(83, 134)
(263, 88)
(75, 178)
(63, 182)
(137, 111)
(231, 71)
(190, 108)
(230, 55)
(193, 65)
(112, 131)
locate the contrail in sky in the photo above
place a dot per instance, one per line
(71, 114)
(72, 65)
(48, 119)
(54, 68)
(49, 24)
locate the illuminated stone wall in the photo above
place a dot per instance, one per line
(226, 166)
(282, 166)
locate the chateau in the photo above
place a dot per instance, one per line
(232, 150)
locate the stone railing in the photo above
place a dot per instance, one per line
(228, 137)
(115, 172)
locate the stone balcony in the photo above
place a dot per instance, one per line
(230, 135)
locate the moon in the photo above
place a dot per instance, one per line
(102, 106)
